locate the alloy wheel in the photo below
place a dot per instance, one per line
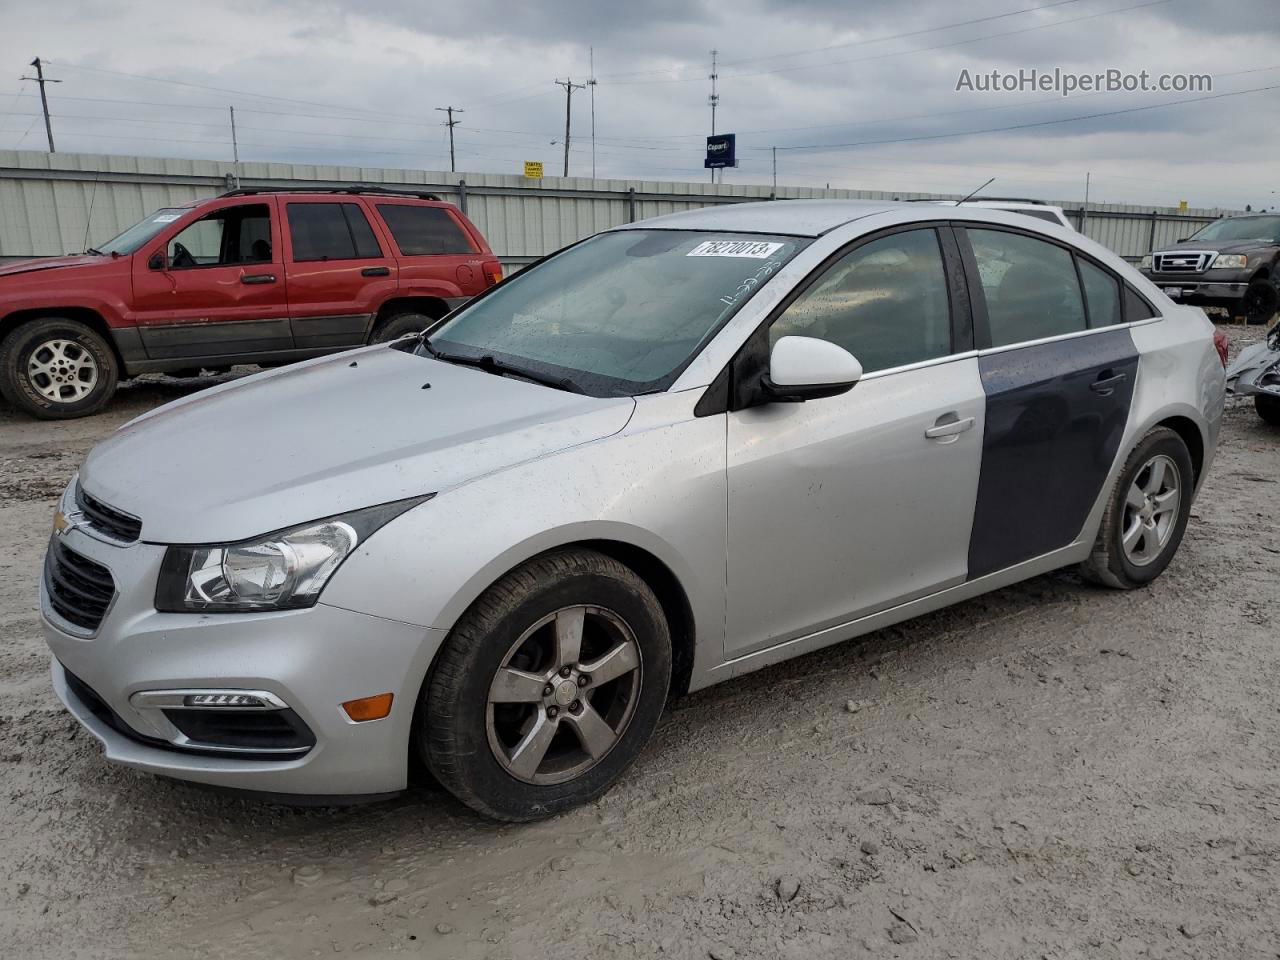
(1151, 510)
(63, 371)
(564, 694)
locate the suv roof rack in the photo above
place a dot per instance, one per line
(353, 189)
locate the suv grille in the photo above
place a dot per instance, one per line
(1190, 262)
(114, 523)
(80, 589)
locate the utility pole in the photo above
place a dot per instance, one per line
(592, 84)
(451, 123)
(775, 170)
(569, 87)
(235, 144)
(1084, 212)
(714, 99)
(44, 100)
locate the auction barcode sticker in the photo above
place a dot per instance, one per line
(755, 249)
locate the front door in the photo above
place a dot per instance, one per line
(844, 506)
(1058, 372)
(215, 287)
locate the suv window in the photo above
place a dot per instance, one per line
(228, 236)
(422, 231)
(331, 231)
(885, 302)
(1030, 285)
(1102, 292)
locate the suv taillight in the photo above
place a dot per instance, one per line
(492, 273)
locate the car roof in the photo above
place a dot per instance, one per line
(802, 218)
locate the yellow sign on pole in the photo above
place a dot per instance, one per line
(533, 169)
(1182, 204)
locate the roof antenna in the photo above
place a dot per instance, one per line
(976, 192)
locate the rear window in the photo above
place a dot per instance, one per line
(331, 231)
(422, 231)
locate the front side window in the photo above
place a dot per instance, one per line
(886, 303)
(331, 231)
(423, 231)
(1102, 291)
(1030, 285)
(619, 314)
(226, 237)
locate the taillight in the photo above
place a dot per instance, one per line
(492, 273)
(1220, 342)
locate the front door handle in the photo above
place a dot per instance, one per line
(1107, 382)
(948, 428)
(376, 272)
(256, 278)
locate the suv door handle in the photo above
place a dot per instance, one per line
(948, 427)
(254, 278)
(1106, 385)
(376, 272)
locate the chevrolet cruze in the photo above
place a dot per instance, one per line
(669, 454)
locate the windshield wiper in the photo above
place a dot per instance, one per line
(490, 363)
(94, 251)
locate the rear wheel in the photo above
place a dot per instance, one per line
(57, 368)
(1147, 515)
(548, 687)
(1268, 408)
(400, 324)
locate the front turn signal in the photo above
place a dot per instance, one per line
(369, 708)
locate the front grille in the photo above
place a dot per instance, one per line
(80, 590)
(114, 523)
(244, 729)
(1190, 262)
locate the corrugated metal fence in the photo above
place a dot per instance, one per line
(60, 203)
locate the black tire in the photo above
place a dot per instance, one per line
(399, 324)
(1268, 408)
(455, 741)
(1260, 302)
(89, 363)
(1109, 563)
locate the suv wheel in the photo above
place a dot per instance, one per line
(400, 324)
(1260, 301)
(548, 687)
(57, 368)
(1144, 522)
(1268, 408)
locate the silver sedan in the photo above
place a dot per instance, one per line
(667, 455)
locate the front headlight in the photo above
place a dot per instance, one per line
(1146, 262)
(1230, 261)
(284, 570)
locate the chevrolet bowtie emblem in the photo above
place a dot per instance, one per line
(63, 523)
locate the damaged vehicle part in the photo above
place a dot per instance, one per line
(1256, 373)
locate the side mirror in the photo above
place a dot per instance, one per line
(157, 261)
(805, 368)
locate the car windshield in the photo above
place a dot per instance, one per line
(1242, 228)
(620, 314)
(141, 232)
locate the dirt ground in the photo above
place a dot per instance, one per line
(1050, 771)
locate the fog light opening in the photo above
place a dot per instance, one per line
(368, 708)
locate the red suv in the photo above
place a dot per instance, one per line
(252, 276)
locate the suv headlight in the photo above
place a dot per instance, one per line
(1230, 261)
(1146, 262)
(284, 570)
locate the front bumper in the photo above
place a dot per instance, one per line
(1198, 287)
(313, 660)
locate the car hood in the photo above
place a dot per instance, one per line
(327, 436)
(1221, 246)
(51, 263)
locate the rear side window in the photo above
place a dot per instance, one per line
(1102, 292)
(331, 231)
(1031, 287)
(885, 302)
(1136, 307)
(423, 231)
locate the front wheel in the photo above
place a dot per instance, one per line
(548, 687)
(1147, 514)
(1260, 302)
(57, 368)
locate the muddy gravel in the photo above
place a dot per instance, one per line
(1050, 771)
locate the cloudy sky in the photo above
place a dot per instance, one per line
(854, 93)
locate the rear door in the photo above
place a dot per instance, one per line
(215, 287)
(438, 255)
(1058, 374)
(339, 274)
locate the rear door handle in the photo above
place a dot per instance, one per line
(376, 272)
(948, 428)
(1106, 385)
(256, 278)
